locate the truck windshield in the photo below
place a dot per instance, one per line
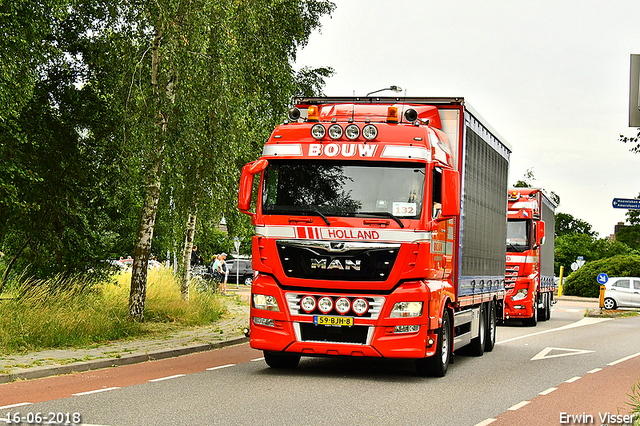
(344, 189)
(518, 235)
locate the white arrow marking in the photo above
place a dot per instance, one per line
(544, 354)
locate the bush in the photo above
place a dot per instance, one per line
(583, 282)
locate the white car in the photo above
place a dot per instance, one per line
(622, 291)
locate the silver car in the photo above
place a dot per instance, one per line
(622, 292)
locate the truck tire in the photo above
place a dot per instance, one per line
(280, 360)
(533, 321)
(437, 365)
(476, 347)
(547, 307)
(492, 328)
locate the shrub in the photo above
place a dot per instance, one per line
(583, 282)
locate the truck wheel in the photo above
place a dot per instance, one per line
(476, 347)
(437, 365)
(492, 327)
(547, 307)
(279, 360)
(533, 321)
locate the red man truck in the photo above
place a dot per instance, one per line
(379, 231)
(530, 254)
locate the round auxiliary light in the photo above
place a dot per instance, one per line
(411, 115)
(352, 131)
(308, 303)
(360, 306)
(325, 304)
(370, 132)
(317, 131)
(335, 131)
(343, 305)
(294, 114)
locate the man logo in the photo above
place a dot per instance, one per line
(335, 264)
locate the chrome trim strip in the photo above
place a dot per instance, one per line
(337, 246)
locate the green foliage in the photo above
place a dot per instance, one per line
(569, 246)
(79, 118)
(567, 224)
(583, 282)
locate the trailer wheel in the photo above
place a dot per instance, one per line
(437, 365)
(476, 347)
(492, 327)
(279, 360)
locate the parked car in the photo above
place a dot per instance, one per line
(242, 269)
(622, 292)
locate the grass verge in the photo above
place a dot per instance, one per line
(56, 313)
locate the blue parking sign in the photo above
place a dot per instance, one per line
(602, 278)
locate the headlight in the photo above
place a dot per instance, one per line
(308, 304)
(521, 294)
(267, 303)
(360, 306)
(352, 132)
(317, 131)
(325, 304)
(335, 131)
(343, 305)
(369, 132)
(406, 309)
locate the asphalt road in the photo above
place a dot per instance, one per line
(532, 377)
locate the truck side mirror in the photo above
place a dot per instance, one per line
(450, 193)
(540, 237)
(246, 183)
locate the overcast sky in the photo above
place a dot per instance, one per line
(551, 77)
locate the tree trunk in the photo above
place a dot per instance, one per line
(188, 247)
(5, 277)
(138, 292)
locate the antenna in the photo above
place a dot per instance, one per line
(403, 102)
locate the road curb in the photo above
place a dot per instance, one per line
(81, 366)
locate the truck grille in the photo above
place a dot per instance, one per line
(511, 273)
(293, 300)
(337, 260)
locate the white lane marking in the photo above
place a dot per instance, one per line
(624, 359)
(547, 392)
(573, 379)
(595, 370)
(544, 354)
(219, 367)
(485, 422)
(167, 378)
(258, 359)
(518, 405)
(581, 323)
(15, 405)
(94, 391)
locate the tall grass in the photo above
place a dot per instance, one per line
(59, 312)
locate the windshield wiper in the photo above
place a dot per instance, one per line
(302, 212)
(385, 214)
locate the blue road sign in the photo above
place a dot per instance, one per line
(626, 203)
(603, 278)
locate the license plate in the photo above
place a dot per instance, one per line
(326, 320)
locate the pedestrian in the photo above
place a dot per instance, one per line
(195, 256)
(220, 271)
